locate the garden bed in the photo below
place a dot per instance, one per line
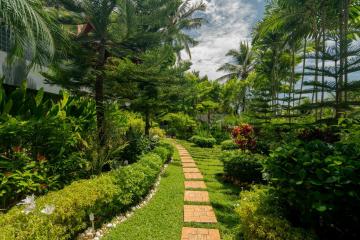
(63, 214)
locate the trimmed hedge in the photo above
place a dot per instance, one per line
(229, 145)
(203, 141)
(261, 218)
(242, 167)
(104, 196)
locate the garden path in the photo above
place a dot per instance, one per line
(197, 208)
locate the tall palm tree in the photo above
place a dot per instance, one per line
(32, 30)
(241, 66)
(183, 20)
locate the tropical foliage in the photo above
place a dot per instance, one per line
(285, 111)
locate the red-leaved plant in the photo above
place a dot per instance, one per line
(244, 137)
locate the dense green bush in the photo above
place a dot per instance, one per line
(179, 125)
(204, 142)
(318, 182)
(103, 196)
(243, 167)
(229, 145)
(261, 218)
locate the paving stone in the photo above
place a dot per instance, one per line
(188, 164)
(187, 161)
(196, 196)
(195, 184)
(193, 176)
(200, 234)
(199, 214)
(191, 170)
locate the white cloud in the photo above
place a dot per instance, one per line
(229, 22)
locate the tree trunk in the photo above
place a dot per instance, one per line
(339, 90)
(147, 122)
(346, 23)
(323, 63)
(99, 95)
(303, 70)
(316, 80)
(292, 81)
(244, 101)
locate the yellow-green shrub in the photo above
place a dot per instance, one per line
(261, 218)
(156, 131)
(104, 196)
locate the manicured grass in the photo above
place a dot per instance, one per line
(223, 196)
(162, 218)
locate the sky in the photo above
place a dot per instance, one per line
(228, 23)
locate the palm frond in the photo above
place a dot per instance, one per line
(30, 29)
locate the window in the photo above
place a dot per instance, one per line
(4, 38)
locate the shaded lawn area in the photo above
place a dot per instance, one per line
(162, 218)
(223, 196)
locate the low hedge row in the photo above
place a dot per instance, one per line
(103, 196)
(261, 219)
(203, 142)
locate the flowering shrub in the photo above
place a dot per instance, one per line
(244, 137)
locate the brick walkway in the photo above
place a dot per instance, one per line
(195, 184)
(196, 196)
(190, 170)
(200, 234)
(196, 213)
(189, 165)
(193, 176)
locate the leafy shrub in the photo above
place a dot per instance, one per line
(49, 149)
(138, 143)
(203, 141)
(162, 152)
(220, 134)
(229, 145)
(318, 182)
(318, 133)
(104, 196)
(155, 131)
(242, 167)
(168, 146)
(179, 124)
(261, 218)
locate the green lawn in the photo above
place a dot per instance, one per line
(162, 218)
(223, 196)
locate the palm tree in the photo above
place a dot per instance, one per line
(32, 30)
(179, 22)
(241, 67)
